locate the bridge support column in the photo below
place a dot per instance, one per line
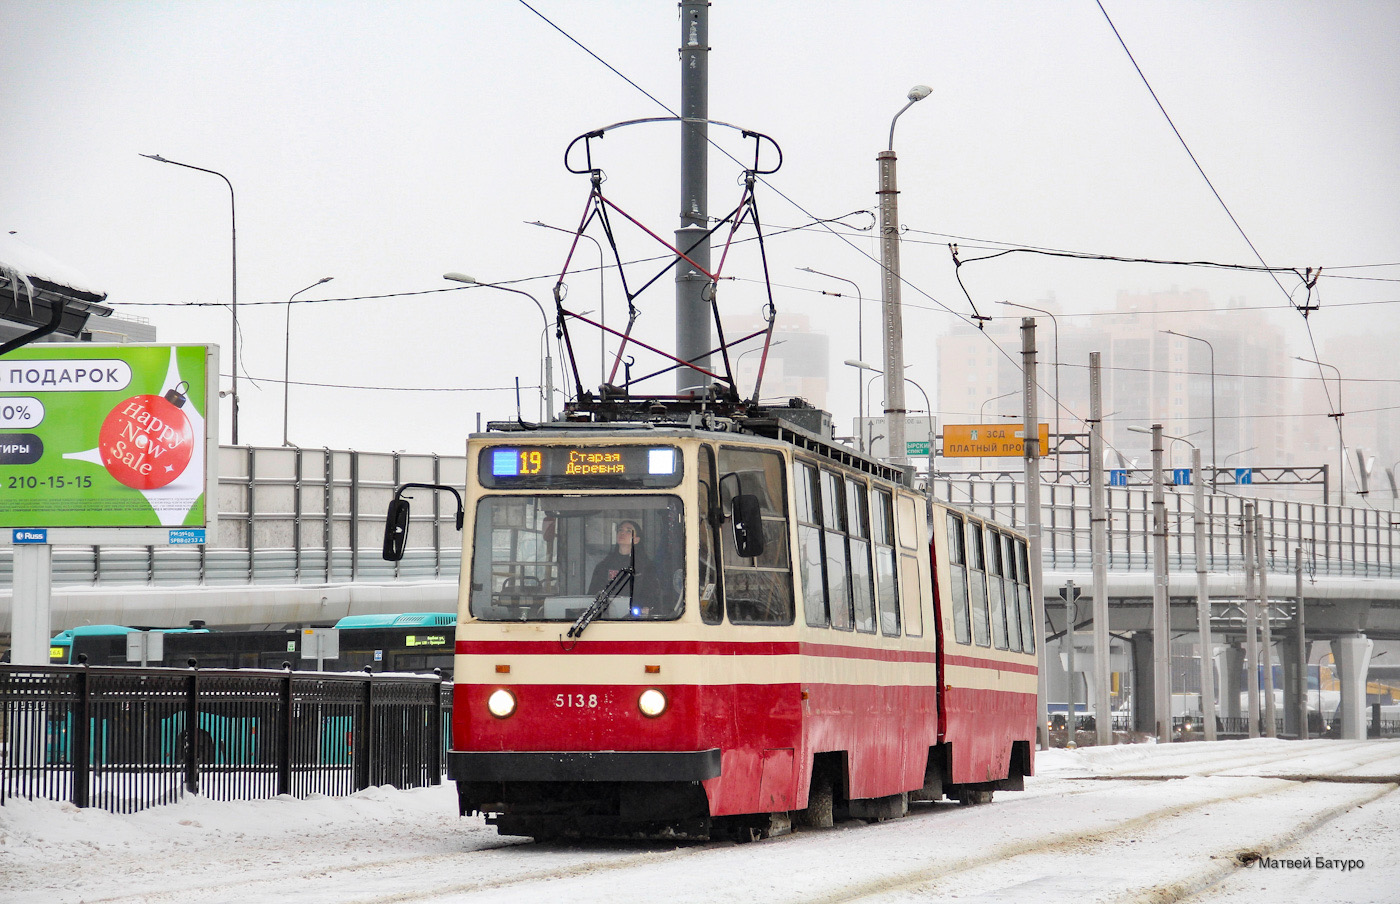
(1292, 662)
(1231, 672)
(1353, 656)
(1144, 710)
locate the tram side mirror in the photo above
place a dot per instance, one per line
(748, 525)
(396, 530)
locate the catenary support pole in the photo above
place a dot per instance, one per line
(1251, 625)
(1267, 645)
(1098, 544)
(1161, 614)
(692, 307)
(1033, 538)
(1301, 639)
(1203, 600)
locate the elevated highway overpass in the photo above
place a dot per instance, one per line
(299, 535)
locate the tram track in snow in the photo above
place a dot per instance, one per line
(987, 871)
(1110, 812)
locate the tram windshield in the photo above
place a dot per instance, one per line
(547, 558)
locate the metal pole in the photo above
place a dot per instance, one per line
(891, 306)
(1270, 705)
(287, 355)
(1033, 538)
(1251, 624)
(888, 194)
(1071, 610)
(1098, 545)
(548, 361)
(602, 295)
(1161, 618)
(1302, 642)
(692, 307)
(1055, 322)
(233, 224)
(1214, 461)
(1203, 600)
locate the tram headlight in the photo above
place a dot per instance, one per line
(652, 703)
(501, 703)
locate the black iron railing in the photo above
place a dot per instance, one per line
(123, 739)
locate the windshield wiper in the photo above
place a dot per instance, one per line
(601, 601)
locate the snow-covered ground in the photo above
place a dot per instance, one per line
(1127, 823)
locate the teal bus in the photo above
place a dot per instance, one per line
(418, 642)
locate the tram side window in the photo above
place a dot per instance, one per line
(809, 545)
(977, 586)
(1027, 603)
(706, 527)
(957, 577)
(858, 534)
(886, 589)
(996, 597)
(757, 590)
(838, 572)
(1012, 581)
(909, 566)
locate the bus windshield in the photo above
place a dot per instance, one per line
(546, 558)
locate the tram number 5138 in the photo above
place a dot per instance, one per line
(576, 701)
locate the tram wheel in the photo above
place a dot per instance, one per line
(971, 797)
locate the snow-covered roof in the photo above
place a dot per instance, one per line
(17, 258)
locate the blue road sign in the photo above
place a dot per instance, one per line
(1118, 477)
(1244, 475)
(1181, 477)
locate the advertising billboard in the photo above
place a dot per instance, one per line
(109, 437)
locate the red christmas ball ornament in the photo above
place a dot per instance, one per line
(146, 440)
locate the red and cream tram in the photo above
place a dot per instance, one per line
(723, 628)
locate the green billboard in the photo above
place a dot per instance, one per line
(102, 436)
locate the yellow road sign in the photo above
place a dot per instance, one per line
(989, 440)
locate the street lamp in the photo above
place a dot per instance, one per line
(233, 223)
(1056, 323)
(860, 396)
(861, 365)
(870, 440)
(1337, 415)
(928, 408)
(602, 299)
(888, 192)
(982, 411)
(548, 361)
(860, 330)
(287, 354)
(1213, 459)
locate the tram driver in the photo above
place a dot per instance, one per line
(644, 584)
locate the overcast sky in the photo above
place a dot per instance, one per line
(385, 144)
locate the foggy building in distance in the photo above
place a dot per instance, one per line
(798, 360)
(1149, 376)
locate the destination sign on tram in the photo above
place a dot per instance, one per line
(579, 466)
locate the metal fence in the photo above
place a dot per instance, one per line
(292, 516)
(123, 739)
(316, 516)
(1336, 540)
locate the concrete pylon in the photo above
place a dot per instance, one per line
(1231, 673)
(1353, 657)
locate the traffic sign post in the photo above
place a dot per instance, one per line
(320, 644)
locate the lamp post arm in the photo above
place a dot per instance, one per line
(233, 229)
